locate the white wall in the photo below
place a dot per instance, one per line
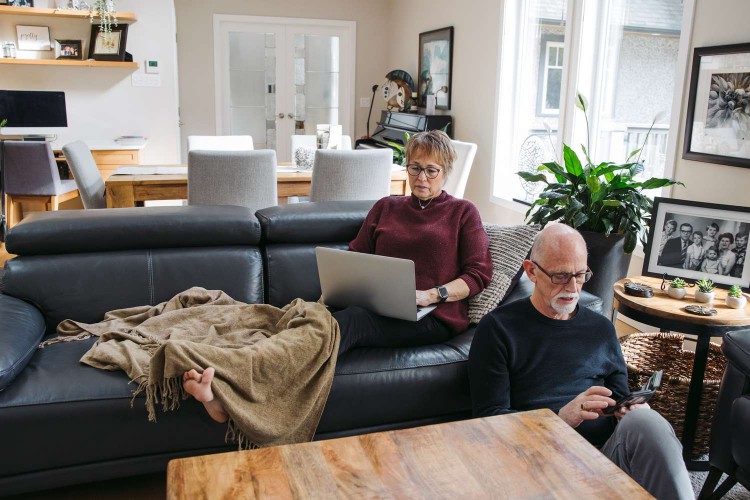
(102, 102)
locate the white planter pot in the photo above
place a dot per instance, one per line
(676, 293)
(704, 297)
(736, 302)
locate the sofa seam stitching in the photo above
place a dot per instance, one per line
(402, 368)
(150, 277)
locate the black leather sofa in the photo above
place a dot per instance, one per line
(62, 422)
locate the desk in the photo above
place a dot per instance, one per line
(530, 454)
(667, 314)
(132, 190)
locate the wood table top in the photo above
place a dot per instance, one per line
(664, 306)
(524, 455)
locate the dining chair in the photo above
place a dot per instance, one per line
(455, 184)
(31, 176)
(86, 174)
(360, 174)
(243, 178)
(220, 143)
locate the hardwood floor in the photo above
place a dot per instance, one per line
(4, 255)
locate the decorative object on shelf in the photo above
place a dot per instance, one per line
(397, 90)
(105, 11)
(639, 290)
(701, 310)
(435, 67)
(9, 50)
(111, 48)
(68, 49)
(698, 240)
(676, 288)
(304, 158)
(718, 115)
(33, 37)
(21, 3)
(735, 298)
(603, 201)
(705, 292)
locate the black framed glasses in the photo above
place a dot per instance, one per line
(564, 278)
(430, 172)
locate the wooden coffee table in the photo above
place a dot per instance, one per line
(532, 454)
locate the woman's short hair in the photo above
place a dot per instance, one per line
(698, 233)
(671, 222)
(433, 143)
(729, 236)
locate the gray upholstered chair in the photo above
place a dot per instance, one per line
(87, 175)
(220, 143)
(360, 174)
(243, 178)
(455, 184)
(31, 177)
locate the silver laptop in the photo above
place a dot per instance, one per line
(384, 285)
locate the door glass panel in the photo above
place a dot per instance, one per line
(316, 81)
(252, 87)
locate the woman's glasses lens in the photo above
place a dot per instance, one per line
(430, 172)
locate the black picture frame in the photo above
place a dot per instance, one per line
(713, 133)
(62, 48)
(116, 53)
(20, 3)
(429, 83)
(661, 256)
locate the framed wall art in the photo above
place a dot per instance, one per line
(718, 115)
(696, 240)
(108, 48)
(33, 37)
(435, 67)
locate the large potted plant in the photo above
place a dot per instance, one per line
(603, 201)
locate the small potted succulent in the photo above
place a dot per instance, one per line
(705, 292)
(735, 297)
(676, 288)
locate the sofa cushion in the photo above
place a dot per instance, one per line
(509, 246)
(318, 222)
(741, 431)
(21, 329)
(74, 231)
(736, 347)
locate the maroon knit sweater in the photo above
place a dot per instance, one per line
(445, 240)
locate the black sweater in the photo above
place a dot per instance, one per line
(522, 360)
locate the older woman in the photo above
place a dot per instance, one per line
(727, 258)
(669, 232)
(444, 237)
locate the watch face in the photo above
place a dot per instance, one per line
(443, 292)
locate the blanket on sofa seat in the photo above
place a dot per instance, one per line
(274, 367)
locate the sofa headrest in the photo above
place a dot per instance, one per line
(76, 231)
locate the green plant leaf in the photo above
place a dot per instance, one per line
(572, 163)
(633, 153)
(556, 169)
(592, 181)
(579, 219)
(612, 203)
(552, 195)
(581, 102)
(528, 176)
(630, 242)
(654, 183)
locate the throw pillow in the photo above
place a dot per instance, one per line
(509, 246)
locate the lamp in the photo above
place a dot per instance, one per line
(374, 88)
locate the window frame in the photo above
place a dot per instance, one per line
(547, 41)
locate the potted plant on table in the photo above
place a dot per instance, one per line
(603, 201)
(705, 292)
(676, 288)
(735, 297)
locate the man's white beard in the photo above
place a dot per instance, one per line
(564, 309)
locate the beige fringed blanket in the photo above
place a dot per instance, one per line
(274, 367)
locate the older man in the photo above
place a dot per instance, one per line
(546, 352)
(675, 250)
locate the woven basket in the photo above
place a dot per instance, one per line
(646, 353)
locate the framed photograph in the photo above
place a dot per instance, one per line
(20, 3)
(33, 37)
(68, 49)
(108, 48)
(435, 67)
(696, 240)
(718, 115)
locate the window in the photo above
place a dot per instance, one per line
(621, 54)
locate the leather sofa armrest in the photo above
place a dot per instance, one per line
(736, 348)
(21, 330)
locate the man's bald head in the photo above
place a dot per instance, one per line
(557, 239)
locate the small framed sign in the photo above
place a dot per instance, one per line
(33, 37)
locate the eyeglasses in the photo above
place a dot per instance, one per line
(564, 278)
(430, 172)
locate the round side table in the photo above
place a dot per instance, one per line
(669, 314)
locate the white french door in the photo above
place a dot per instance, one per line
(276, 77)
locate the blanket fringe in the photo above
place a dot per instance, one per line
(169, 392)
(234, 434)
(65, 338)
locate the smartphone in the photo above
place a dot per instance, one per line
(638, 397)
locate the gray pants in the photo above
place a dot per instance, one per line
(645, 447)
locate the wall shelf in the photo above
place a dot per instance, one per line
(71, 62)
(122, 17)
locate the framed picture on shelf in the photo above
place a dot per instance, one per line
(18, 3)
(696, 240)
(68, 49)
(718, 115)
(33, 37)
(108, 47)
(435, 67)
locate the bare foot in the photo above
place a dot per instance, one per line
(198, 385)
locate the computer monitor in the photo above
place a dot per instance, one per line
(32, 108)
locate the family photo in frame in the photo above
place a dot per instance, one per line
(697, 240)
